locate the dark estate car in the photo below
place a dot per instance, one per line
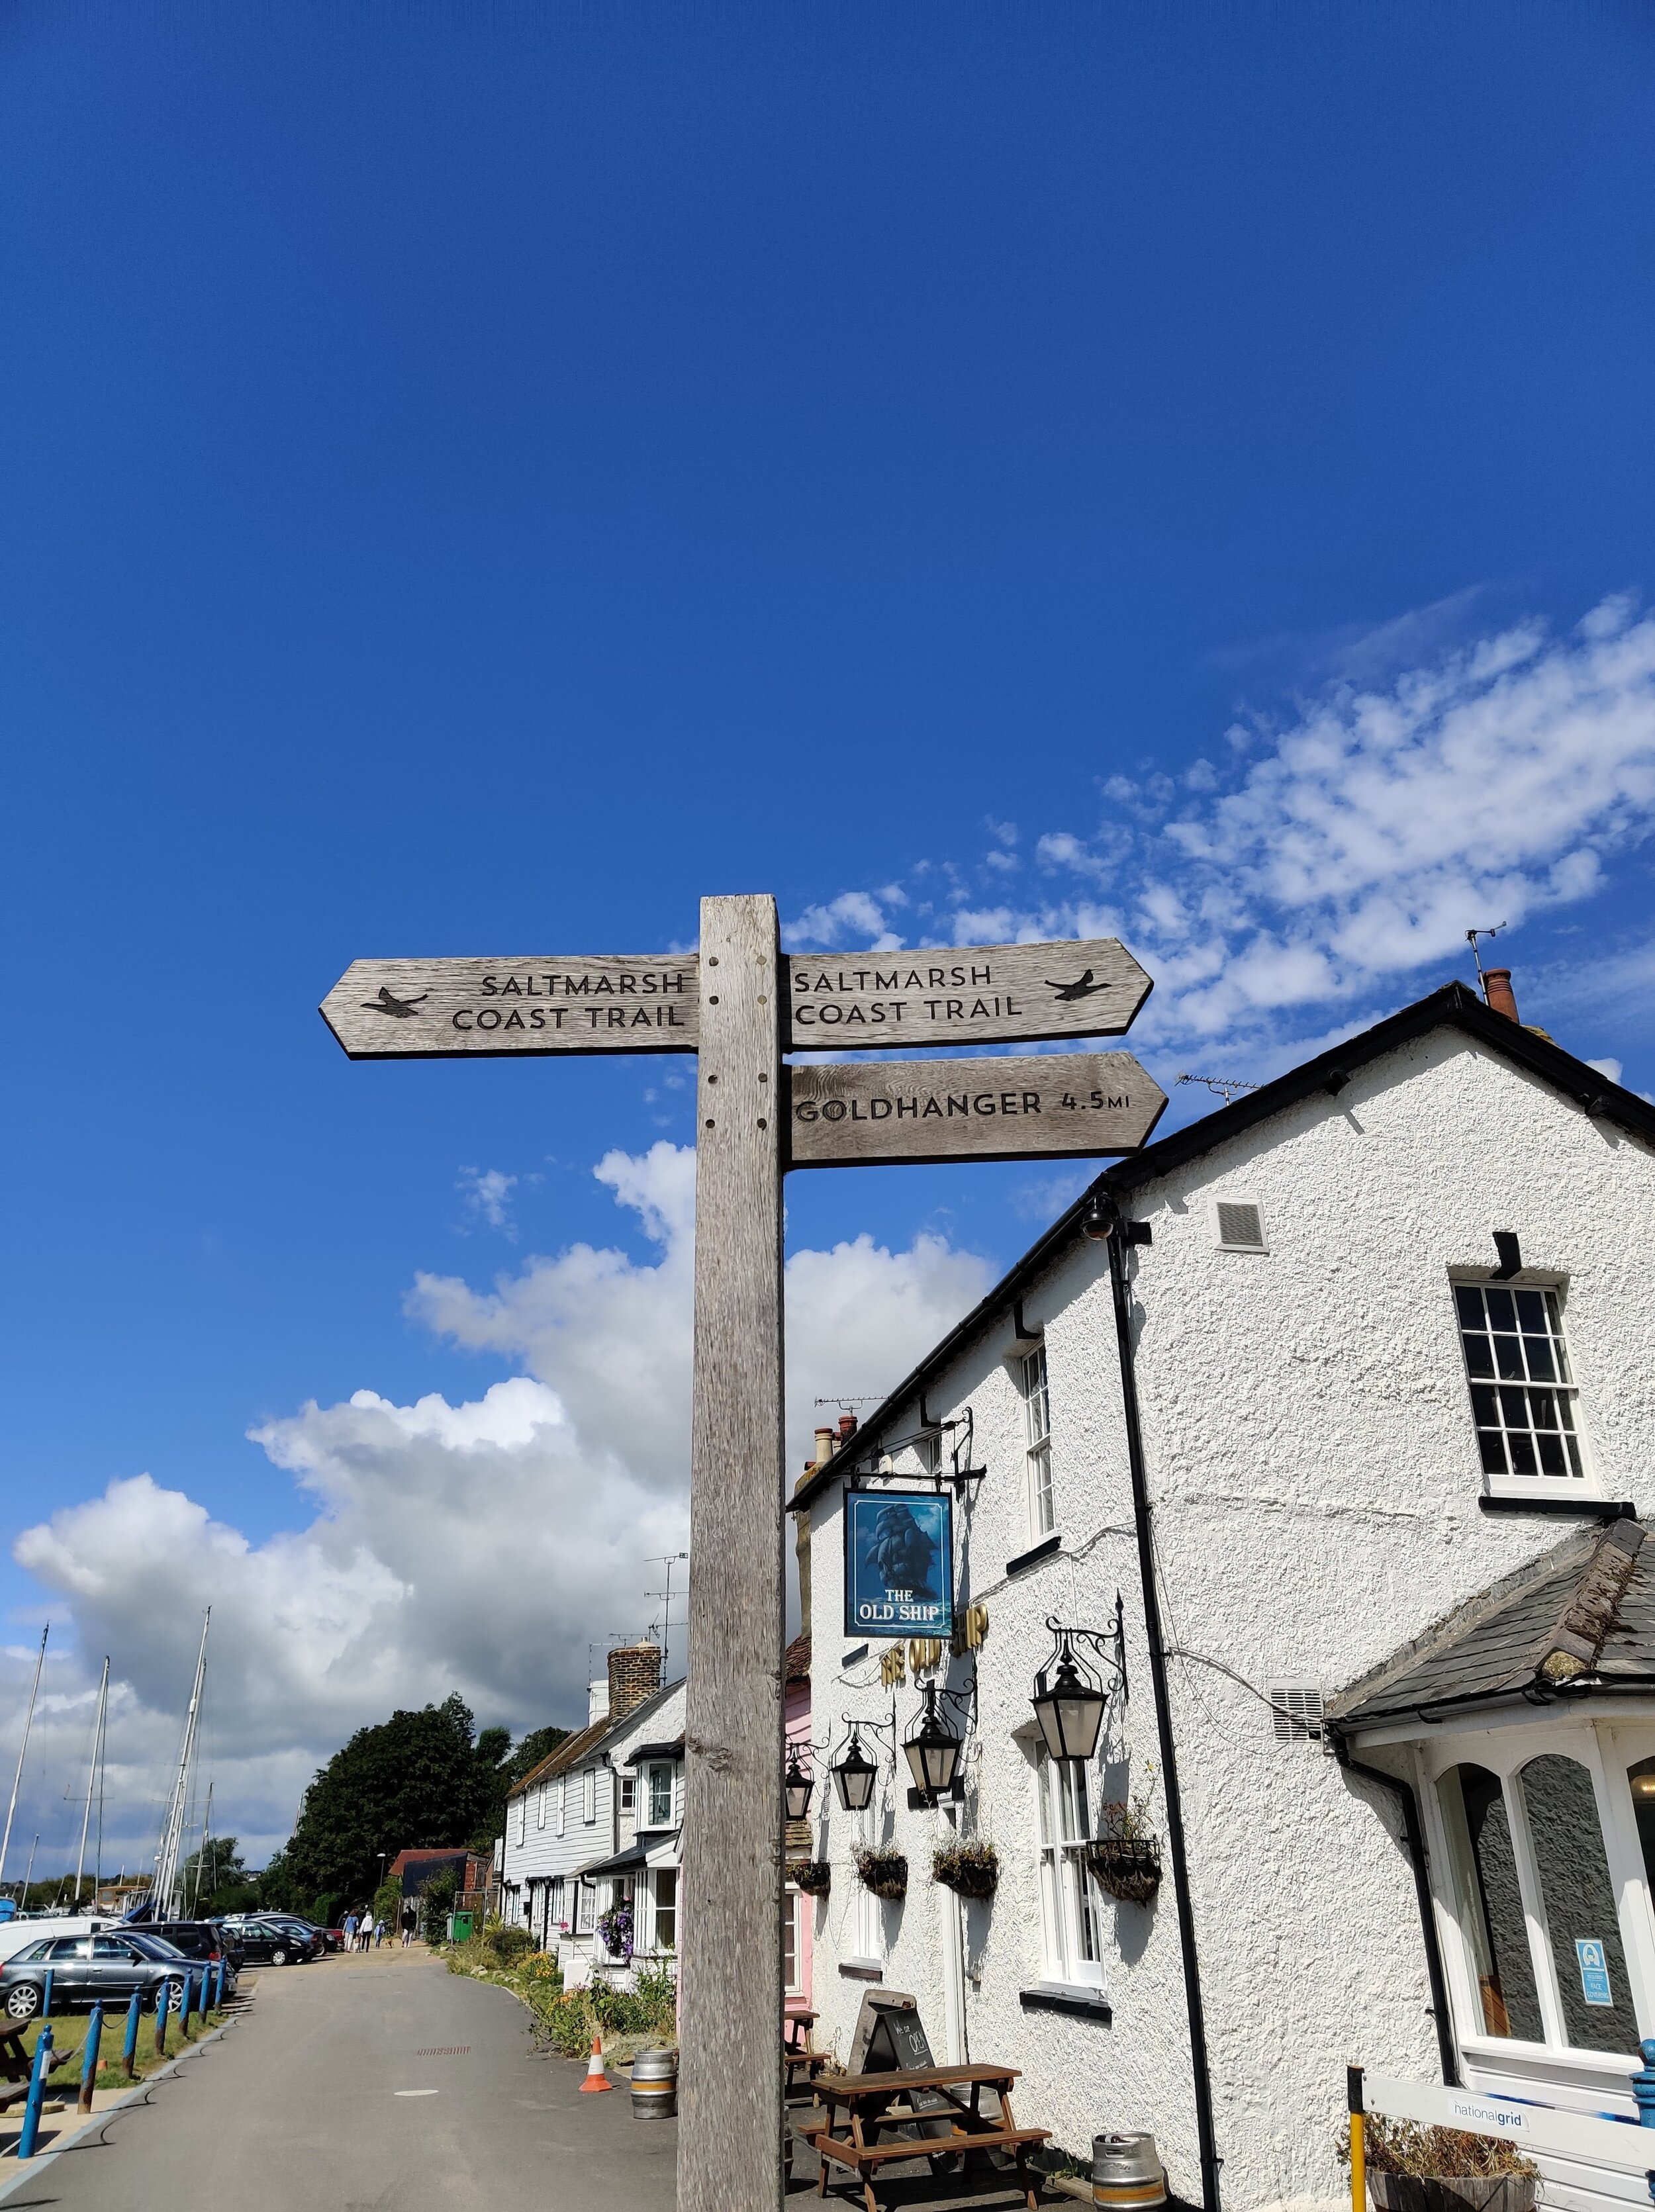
(205, 1940)
(86, 1970)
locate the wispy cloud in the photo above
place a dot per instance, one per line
(487, 1193)
(1352, 842)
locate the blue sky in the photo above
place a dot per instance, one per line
(473, 481)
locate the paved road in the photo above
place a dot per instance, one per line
(374, 2084)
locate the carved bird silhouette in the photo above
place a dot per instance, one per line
(386, 1003)
(1082, 987)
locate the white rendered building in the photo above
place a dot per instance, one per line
(1384, 1467)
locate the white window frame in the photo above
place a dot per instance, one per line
(563, 1800)
(1034, 1385)
(1507, 1485)
(1606, 1749)
(541, 1807)
(555, 1902)
(522, 1821)
(869, 1936)
(792, 1944)
(630, 1790)
(589, 1795)
(669, 1874)
(658, 1775)
(1071, 1914)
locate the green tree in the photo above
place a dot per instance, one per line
(436, 1902)
(277, 1891)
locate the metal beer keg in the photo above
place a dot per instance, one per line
(1126, 2173)
(655, 2085)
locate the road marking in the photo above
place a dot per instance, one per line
(414, 2093)
(445, 2050)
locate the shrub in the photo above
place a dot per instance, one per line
(509, 1944)
(1406, 2146)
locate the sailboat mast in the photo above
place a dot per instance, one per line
(201, 1852)
(92, 1776)
(17, 1779)
(172, 1835)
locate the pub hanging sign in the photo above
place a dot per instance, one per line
(899, 1562)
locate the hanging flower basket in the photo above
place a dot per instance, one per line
(1127, 1867)
(813, 1876)
(969, 1869)
(884, 1872)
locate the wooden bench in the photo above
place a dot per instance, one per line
(950, 2123)
(797, 2057)
(16, 2065)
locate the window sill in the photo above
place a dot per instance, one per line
(1032, 1557)
(1069, 1997)
(1554, 1508)
(862, 1970)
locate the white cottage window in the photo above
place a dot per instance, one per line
(1037, 1416)
(522, 1822)
(660, 1796)
(563, 1800)
(589, 1795)
(541, 1807)
(629, 1791)
(792, 1950)
(1523, 1389)
(667, 1908)
(1068, 1908)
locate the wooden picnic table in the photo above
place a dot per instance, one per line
(16, 2065)
(797, 2057)
(952, 2123)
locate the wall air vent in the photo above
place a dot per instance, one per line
(1240, 1228)
(1295, 1711)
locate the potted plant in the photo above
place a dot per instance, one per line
(616, 1929)
(1125, 1855)
(813, 1876)
(969, 1869)
(883, 1870)
(1411, 2168)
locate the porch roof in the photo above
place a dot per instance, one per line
(626, 1862)
(1578, 1621)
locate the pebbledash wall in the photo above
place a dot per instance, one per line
(1316, 1492)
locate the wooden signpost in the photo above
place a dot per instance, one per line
(739, 1005)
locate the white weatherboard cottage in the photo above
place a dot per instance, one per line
(1387, 1465)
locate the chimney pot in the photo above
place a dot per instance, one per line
(824, 1446)
(1498, 992)
(847, 1426)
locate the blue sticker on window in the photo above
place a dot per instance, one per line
(899, 1562)
(1594, 1971)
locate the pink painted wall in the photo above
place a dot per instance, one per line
(797, 1723)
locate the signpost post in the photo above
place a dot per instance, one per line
(740, 1004)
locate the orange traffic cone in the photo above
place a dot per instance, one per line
(596, 2076)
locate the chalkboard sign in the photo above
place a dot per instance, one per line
(891, 2038)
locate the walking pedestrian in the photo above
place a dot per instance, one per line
(378, 1932)
(364, 1930)
(348, 1929)
(408, 1922)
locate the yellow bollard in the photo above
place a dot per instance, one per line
(1358, 2149)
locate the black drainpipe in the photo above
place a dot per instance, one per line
(1407, 1805)
(1134, 1453)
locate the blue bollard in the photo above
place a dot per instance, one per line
(218, 1987)
(45, 1998)
(184, 2006)
(36, 2097)
(129, 2053)
(162, 1999)
(89, 2057)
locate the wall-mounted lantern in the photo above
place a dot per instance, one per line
(854, 1777)
(932, 1750)
(796, 1787)
(1069, 1698)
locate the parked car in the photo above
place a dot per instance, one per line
(23, 1929)
(269, 1942)
(324, 1939)
(86, 1969)
(205, 1940)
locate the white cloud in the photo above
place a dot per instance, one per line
(855, 918)
(477, 1546)
(487, 1192)
(1357, 842)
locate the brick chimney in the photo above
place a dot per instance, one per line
(634, 1675)
(1498, 993)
